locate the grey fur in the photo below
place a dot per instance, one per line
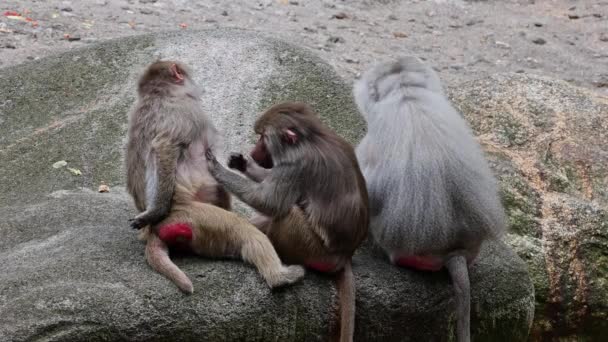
(432, 194)
(430, 187)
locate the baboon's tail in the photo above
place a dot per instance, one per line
(157, 255)
(459, 272)
(346, 295)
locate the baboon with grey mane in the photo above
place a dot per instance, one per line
(433, 198)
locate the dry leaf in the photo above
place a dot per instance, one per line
(60, 164)
(75, 172)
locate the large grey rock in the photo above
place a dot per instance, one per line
(72, 270)
(548, 142)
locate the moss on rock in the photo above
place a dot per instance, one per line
(547, 142)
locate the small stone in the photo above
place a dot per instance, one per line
(31, 58)
(503, 45)
(335, 39)
(430, 14)
(310, 30)
(210, 20)
(103, 188)
(145, 11)
(532, 61)
(538, 24)
(573, 16)
(392, 17)
(339, 16)
(9, 46)
(147, 1)
(597, 15)
(604, 37)
(520, 71)
(400, 35)
(351, 60)
(101, 2)
(224, 13)
(601, 81)
(70, 38)
(480, 59)
(66, 9)
(293, 2)
(539, 41)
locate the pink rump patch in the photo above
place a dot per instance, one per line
(422, 263)
(175, 233)
(324, 267)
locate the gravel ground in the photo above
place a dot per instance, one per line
(565, 39)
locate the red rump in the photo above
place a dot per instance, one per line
(175, 233)
(324, 267)
(422, 263)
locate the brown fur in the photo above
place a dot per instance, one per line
(168, 178)
(314, 197)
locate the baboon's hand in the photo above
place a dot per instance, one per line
(212, 164)
(136, 223)
(237, 161)
(144, 219)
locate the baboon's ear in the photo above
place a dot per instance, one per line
(290, 136)
(177, 74)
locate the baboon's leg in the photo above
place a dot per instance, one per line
(261, 222)
(219, 233)
(296, 241)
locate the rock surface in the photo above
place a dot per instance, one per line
(547, 140)
(72, 270)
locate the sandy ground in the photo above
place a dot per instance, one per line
(565, 39)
